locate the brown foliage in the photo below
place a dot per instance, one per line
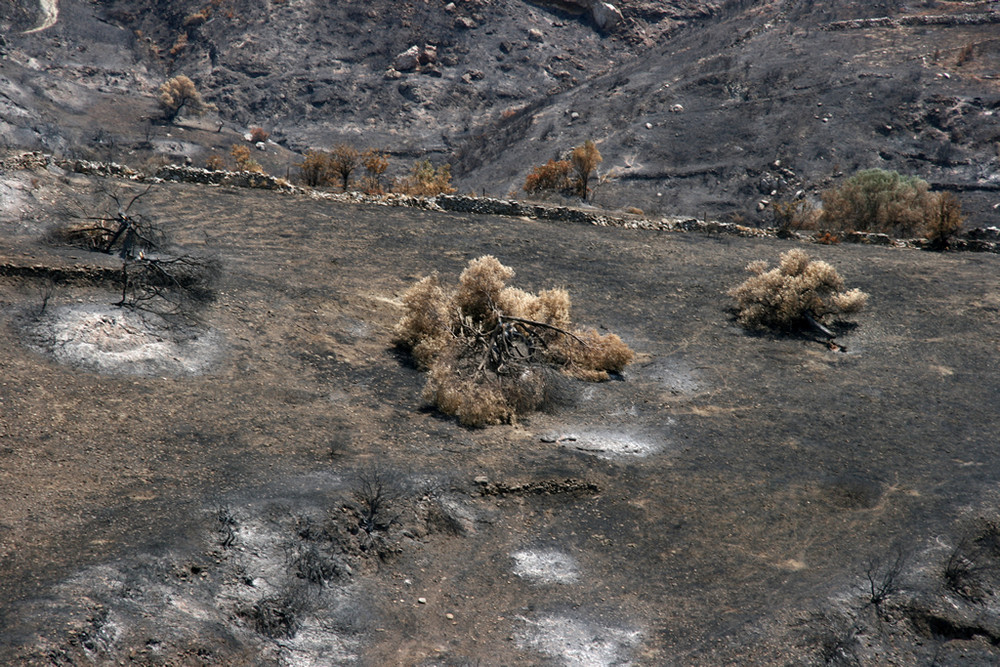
(215, 162)
(180, 93)
(882, 201)
(343, 162)
(585, 159)
(553, 176)
(486, 346)
(426, 181)
(375, 163)
(316, 169)
(241, 154)
(787, 296)
(259, 134)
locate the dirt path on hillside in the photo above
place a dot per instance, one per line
(50, 14)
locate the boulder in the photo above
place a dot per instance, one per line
(606, 16)
(408, 60)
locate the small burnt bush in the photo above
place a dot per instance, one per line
(973, 568)
(276, 616)
(796, 295)
(489, 349)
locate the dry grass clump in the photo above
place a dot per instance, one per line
(799, 293)
(488, 348)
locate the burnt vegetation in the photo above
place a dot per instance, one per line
(154, 275)
(490, 350)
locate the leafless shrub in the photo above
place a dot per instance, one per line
(798, 294)
(487, 346)
(973, 562)
(376, 491)
(883, 576)
(276, 616)
(317, 566)
(151, 278)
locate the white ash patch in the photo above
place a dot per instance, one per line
(546, 567)
(609, 444)
(119, 341)
(578, 643)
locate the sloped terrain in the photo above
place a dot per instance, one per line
(714, 108)
(725, 500)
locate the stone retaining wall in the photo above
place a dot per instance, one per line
(976, 240)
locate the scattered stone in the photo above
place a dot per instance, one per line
(535, 35)
(465, 23)
(649, 126)
(408, 60)
(450, 616)
(676, 108)
(421, 600)
(393, 73)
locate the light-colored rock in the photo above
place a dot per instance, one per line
(606, 16)
(535, 35)
(408, 60)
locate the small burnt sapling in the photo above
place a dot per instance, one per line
(152, 277)
(490, 350)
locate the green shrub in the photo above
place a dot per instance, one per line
(876, 200)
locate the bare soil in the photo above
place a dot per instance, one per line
(720, 503)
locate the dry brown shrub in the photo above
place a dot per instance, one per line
(426, 181)
(215, 162)
(876, 200)
(585, 159)
(944, 220)
(180, 93)
(553, 176)
(241, 154)
(343, 161)
(316, 168)
(798, 292)
(596, 357)
(259, 134)
(488, 347)
(375, 163)
(424, 328)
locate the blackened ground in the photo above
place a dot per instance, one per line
(723, 501)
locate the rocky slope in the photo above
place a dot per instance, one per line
(700, 108)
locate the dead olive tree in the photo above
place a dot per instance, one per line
(490, 350)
